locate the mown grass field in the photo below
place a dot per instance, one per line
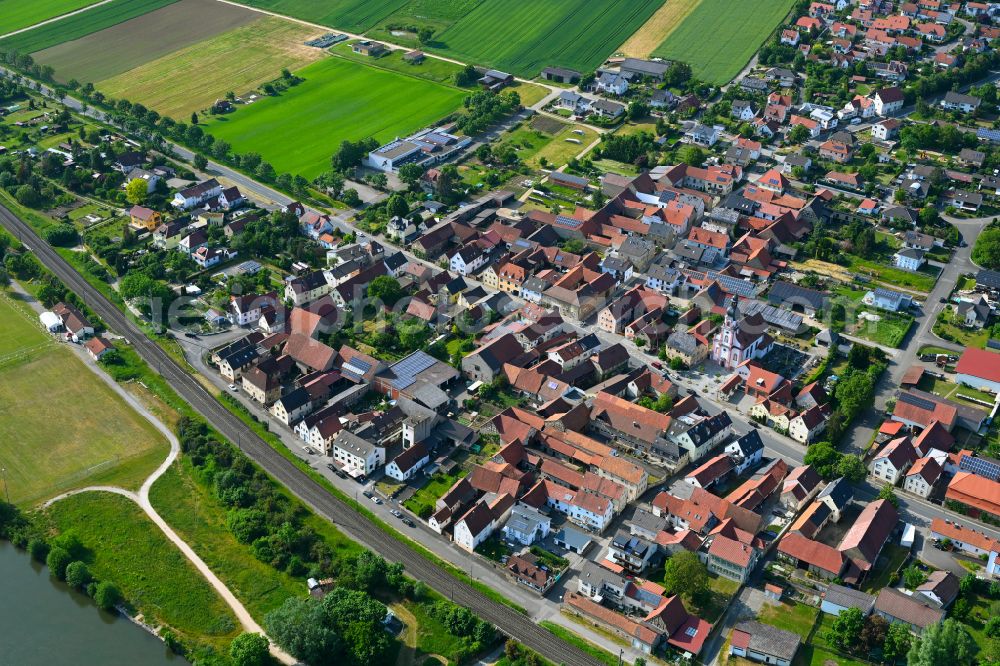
(719, 37)
(18, 14)
(523, 37)
(660, 25)
(351, 15)
(55, 417)
(106, 53)
(235, 61)
(299, 130)
(125, 547)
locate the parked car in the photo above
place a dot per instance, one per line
(376, 500)
(396, 513)
(409, 523)
(369, 494)
(189, 334)
(232, 387)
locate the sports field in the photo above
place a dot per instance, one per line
(238, 60)
(298, 131)
(17, 14)
(61, 426)
(121, 47)
(719, 37)
(660, 25)
(351, 15)
(80, 25)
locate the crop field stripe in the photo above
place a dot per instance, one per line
(80, 25)
(19, 14)
(736, 30)
(121, 47)
(238, 60)
(351, 15)
(524, 36)
(660, 25)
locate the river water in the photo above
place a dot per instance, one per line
(44, 623)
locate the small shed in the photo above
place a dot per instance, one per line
(51, 321)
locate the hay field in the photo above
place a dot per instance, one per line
(106, 53)
(659, 26)
(237, 61)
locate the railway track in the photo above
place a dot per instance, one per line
(324, 503)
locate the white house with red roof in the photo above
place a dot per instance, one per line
(979, 369)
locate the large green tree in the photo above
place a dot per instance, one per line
(385, 288)
(845, 632)
(249, 650)
(945, 644)
(301, 628)
(897, 643)
(684, 574)
(986, 252)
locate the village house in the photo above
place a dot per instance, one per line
(763, 643)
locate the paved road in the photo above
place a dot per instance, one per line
(285, 472)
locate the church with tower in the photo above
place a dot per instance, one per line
(740, 338)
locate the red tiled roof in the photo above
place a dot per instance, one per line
(812, 552)
(731, 550)
(980, 364)
(961, 534)
(975, 491)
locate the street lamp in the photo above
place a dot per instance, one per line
(6, 490)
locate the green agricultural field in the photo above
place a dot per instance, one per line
(17, 14)
(126, 45)
(298, 131)
(351, 15)
(523, 37)
(80, 25)
(720, 36)
(125, 547)
(237, 61)
(43, 456)
(438, 15)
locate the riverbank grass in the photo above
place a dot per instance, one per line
(200, 519)
(123, 546)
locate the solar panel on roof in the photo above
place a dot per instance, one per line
(917, 401)
(357, 367)
(568, 221)
(407, 369)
